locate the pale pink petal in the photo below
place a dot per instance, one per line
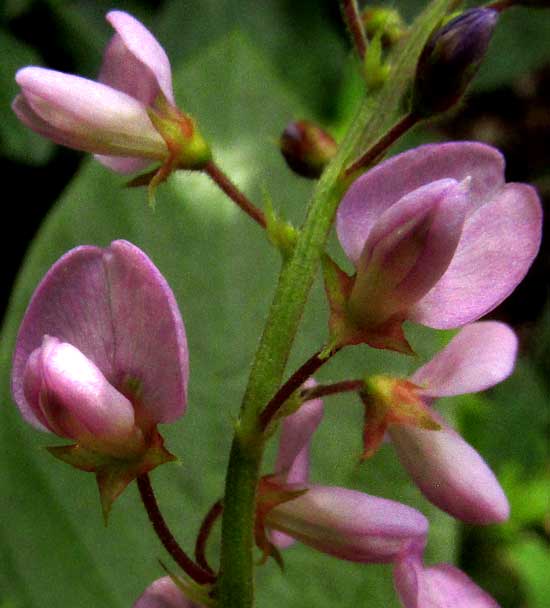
(450, 473)
(381, 187)
(164, 593)
(115, 307)
(94, 116)
(73, 384)
(134, 61)
(296, 433)
(349, 524)
(408, 250)
(478, 357)
(69, 304)
(151, 346)
(292, 462)
(498, 244)
(441, 586)
(122, 164)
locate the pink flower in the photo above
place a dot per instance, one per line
(448, 471)
(341, 522)
(164, 593)
(441, 586)
(436, 236)
(127, 119)
(101, 358)
(348, 524)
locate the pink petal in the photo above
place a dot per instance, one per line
(151, 345)
(381, 187)
(408, 250)
(122, 164)
(89, 115)
(296, 434)
(134, 61)
(450, 473)
(77, 387)
(498, 244)
(478, 357)
(115, 307)
(293, 456)
(164, 593)
(441, 586)
(349, 524)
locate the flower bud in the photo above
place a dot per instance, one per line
(307, 148)
(450, 60)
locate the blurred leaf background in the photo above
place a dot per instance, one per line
(245, 69)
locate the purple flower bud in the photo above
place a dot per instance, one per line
(450, 59)
(164, 593)
(441, 586)
(307, 148)
(101, 354)
(454, 270)
(349, 524)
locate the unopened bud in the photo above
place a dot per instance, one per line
(307, 148)
(386, 22)
(450, 60)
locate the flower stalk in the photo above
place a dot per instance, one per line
(166, 537)
(354, 23)
(228, 187)
(235, 587)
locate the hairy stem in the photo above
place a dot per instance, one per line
(235, 587)
(166, 537)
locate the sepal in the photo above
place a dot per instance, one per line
(392, 401)
(114, 474)
(271, 493)
(344, 331)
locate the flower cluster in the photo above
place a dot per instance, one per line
(435, 236)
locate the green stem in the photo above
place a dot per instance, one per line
(235, 586)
